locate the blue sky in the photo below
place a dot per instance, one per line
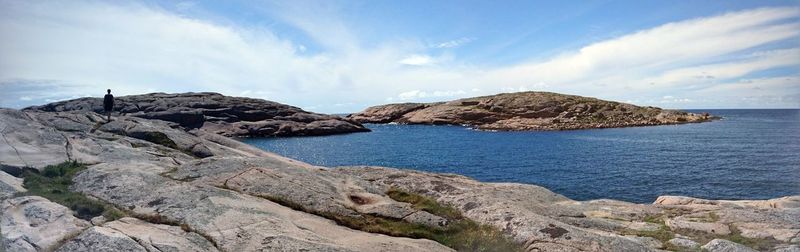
(342, 56)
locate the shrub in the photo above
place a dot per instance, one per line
(53, 183)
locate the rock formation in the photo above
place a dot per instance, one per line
(527, 111)
(545, 221)
(225, 115)
(183, 188)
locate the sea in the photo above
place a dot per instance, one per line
(748, 154)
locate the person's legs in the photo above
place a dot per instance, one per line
(108, 113)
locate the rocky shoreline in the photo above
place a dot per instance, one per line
(174, 187)
(528, 111)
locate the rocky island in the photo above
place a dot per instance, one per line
(527, 111)
(152, 180)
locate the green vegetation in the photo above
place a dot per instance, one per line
(53, 184)
(423, 203)
(664, 234)
(734, 236)
(460, 233)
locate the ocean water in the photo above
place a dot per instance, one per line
(750, 154)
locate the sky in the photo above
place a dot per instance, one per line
(343, 56)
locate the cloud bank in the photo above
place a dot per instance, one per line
(58, 50)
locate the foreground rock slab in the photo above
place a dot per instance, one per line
(33, 223)
(547, 221)
(130, 234)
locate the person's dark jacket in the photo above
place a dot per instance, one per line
(108, 102)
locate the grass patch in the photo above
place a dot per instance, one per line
(423, 203)
(461, 233)
(735, 236)
(53, 184)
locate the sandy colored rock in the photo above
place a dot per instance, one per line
(684, 243)
(9, 185)
(527, 111)
(711, 228)
(313, 188)
(720, 245)
(33, 223)
(101, 239)
(26, 143)
(233, 221)
(524, 212)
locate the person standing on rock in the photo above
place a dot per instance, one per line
(108, 104)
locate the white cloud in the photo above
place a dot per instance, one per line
(453, 43)
(80, 48)
(417, 60)
(417, 94)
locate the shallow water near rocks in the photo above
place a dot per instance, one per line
(750, 154)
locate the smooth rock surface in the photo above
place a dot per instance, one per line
(720, 245)
(9, 185)
(33, 223)
(26, 143)
(685, 243)
(525, 212)
(527, 111)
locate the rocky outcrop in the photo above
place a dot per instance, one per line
(547, 221)
(190, 189)
(148, 169)
(225, 115)
(33, 223)
(527, 111)
(9, 185)
(130, 234)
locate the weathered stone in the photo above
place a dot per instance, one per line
(312, 188)
(157, 237)
(720, 245)
(789, 248)
(26, 143)
(527, 111)
(684, 243)
(9, 185)
(233, 221)
(229, 116)
(711, 228)
(101, 239)
(33, 223)
(525, 212)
